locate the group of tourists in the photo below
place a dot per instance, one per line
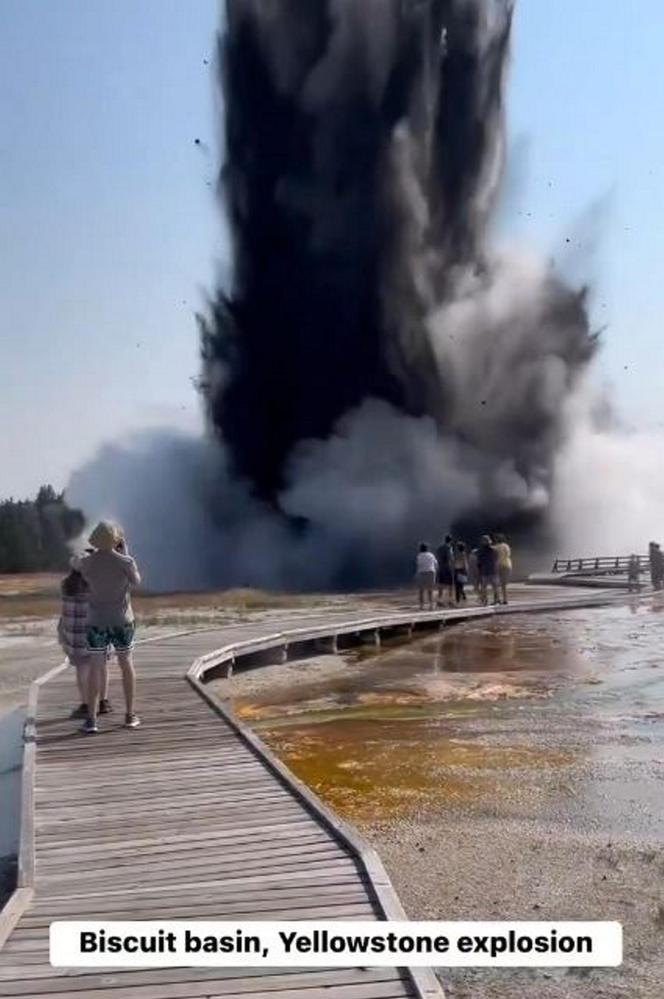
(97, 618)
(449, 569)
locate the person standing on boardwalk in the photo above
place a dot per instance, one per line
(503, 565)
(426, 569)
(110, 573)
(486, 570)
(72, 635)
(460, 571)
(656, 565)
(445, 557)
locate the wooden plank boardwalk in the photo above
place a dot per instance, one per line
(178, 819)
(189, 816)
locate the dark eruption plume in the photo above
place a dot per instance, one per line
(364, 147)
(377, 369)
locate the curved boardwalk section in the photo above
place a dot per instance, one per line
(180, 818)
(189, 816)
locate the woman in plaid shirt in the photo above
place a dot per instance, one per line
(72, 634)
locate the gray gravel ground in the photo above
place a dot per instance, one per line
(484, 868)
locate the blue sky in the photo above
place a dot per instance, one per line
(109, 232)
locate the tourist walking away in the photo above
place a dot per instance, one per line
(72, 635)
(460, 571)
(445, 557)
(503, 564)
(656, 565)
(486, 570)
(110, 573)
(426, 571)
(633, 582)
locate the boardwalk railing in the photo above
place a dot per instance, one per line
(606, 565)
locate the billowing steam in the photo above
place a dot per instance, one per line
(377, 371)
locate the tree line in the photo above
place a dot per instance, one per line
(35, 533)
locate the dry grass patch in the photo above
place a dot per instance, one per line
(38, 595)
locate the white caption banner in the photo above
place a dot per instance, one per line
(332, 943)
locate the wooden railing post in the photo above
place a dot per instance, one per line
(601, 564)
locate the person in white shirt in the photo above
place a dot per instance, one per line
(426, 573)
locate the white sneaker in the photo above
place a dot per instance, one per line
(132, 721)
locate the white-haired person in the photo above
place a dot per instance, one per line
(110, 573)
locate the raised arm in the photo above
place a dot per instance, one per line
(133, 574)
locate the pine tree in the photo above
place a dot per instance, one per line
(35, 534)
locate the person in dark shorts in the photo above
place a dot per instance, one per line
(110, 573)
(445, 558)
(486, 570)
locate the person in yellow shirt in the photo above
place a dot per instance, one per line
(503, 564)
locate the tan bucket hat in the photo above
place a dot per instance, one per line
(105, 536)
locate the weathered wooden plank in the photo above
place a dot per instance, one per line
(332, 871)
(188, 864)
(50, 777)
(302, 985)
(12, 911)
(269, 893)
(144, 779)
(172, 853)
(52, 846)
(173, 797)
(205, 802)
(83, 978)
(202, 835)
(121, 855)
(173, 827)
(51, 818)
(322, 862)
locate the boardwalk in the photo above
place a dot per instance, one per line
(189, 817)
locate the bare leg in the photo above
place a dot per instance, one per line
(93, 688)
(483, 590)
(421, 594)
(128, 680)
(431, 598)
(103, 690)
(82, 683)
